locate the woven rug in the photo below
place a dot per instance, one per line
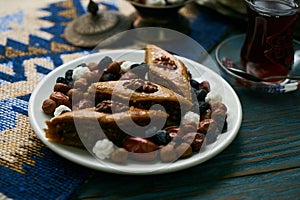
(32, 45)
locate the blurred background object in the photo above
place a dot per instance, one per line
(237, 9)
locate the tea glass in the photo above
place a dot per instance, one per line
(268, 47)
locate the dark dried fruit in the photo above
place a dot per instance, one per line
(69, 74)
(194, 84)
(109, 77)
(201, 94)
(103, 64)
(203, 106)
(161, 137)
(61, 80)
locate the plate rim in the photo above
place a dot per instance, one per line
(172, 167)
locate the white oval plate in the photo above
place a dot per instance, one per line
(82, 157)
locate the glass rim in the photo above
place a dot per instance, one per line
(294, 5)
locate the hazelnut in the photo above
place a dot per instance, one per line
(92, 66)
(167, 154)
(75, 95)
(218, 114)
(184, 150)
(220, 117)
(186, 128)
(196, 140)
(215, 105)
(120, 155)
(61, 87)
(81, 84)
(91, 77)
(205, 85)
(114, 68)
(49, 106)
(60, 99)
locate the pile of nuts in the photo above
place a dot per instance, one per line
(168, 144)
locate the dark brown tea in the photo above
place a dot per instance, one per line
(268, 47)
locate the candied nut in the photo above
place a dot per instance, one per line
(114, 68)
(119, 155)
(81, 84)
(207, 124)
(165, 62)
(108, 106)
(49, 106)
(195, 140)
(140, 149)
(184, 150)
(128, 76)
(167, 153)
(141, 86)
(218, 105)
(60, 99)
(172, 130)
(61, 87)
(139, 145)
(82, 104)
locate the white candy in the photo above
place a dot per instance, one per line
(125, 66)
(78, 72)
(103, 149)
(155, 2)
(191, 116)
(213, 97)
(60, 109)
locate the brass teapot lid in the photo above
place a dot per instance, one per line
(91, 28)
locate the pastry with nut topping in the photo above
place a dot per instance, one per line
(168, 70)
(142, 94)
(106, 120)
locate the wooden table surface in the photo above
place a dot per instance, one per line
(263, 162)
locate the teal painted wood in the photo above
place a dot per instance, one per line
(188, 185)
(263, 162)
